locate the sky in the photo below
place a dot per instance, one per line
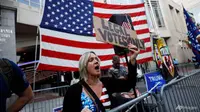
(196, 13)
(192, 6)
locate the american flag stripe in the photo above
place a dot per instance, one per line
(113, 6)
(73, 40)
(68, 36)
(104, 90)
(73, 43)
(148, 49)
(137, 15)
(142, 31)
(142, 26)
(146, 40)
(67, 62)
(109, 15)
(98, 11)
(44, 65)
(69, 56)
(63, 45)
(107, 104)
(62, 64)
(126, 25)
(105, 96)
(76, 50)
(139, 22)
(144, 36)
(106, 100)
(61, 51)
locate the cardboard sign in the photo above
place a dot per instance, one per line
(152, 79)
(115, 34)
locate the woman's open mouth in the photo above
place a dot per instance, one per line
(97, 68)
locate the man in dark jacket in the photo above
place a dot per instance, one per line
(13, 80)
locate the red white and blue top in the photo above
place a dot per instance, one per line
(88, 102)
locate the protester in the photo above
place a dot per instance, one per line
(118, 71)
(92, 94)
(13, 80)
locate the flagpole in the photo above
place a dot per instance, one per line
(36, 45)
(34, 73)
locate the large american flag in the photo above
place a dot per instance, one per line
(67, 32)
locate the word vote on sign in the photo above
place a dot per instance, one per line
(115, 34)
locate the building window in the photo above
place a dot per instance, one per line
(33, 3)
(177, 11)
(157, 12)
(170, 7)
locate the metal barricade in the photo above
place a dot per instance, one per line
(178, 95)
(182, 95)
(45, 100)
(147, 102)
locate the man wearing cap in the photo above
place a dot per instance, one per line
(118, 71)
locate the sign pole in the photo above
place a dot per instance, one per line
(126, 57)
(125, 54)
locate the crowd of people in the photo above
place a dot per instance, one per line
(89, 93)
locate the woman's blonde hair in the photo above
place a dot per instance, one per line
(83, 61)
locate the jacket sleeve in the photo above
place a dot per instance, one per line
(72, 102)
(121, 85)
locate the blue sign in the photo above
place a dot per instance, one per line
(152, 79)
(58, 109)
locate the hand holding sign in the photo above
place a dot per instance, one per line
(134, 51)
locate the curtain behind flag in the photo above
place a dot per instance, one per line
(67, 32)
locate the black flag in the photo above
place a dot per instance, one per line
(125, 21)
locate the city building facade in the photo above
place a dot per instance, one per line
(165, 20)
(192, 6)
